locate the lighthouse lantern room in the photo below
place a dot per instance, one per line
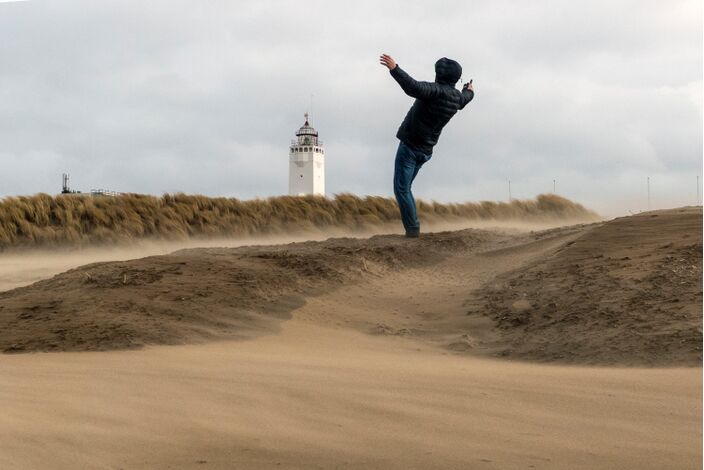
(306, 168)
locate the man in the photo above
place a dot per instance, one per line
(435, 105)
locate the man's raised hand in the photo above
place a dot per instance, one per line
(387, 61)
(469, 86)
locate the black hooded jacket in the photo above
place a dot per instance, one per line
(435, 104)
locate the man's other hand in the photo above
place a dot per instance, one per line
(387, 61)
(469, 86)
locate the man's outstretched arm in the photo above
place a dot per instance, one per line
(411, 87)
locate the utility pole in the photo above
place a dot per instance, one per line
(648, 192)
(554, 185)
(509, 190)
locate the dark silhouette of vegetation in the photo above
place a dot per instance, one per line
(76, 220)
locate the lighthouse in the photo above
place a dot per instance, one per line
(306, 167)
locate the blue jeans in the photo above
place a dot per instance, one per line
(408, 162)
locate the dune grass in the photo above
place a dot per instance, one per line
(43, 220)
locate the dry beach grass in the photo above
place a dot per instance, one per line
(81, 220)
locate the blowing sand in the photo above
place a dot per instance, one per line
(382, 361)
(313, 397)
(22, 267)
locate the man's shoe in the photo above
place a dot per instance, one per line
(412, 234)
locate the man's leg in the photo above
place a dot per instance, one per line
(405, 170)
(421, 159)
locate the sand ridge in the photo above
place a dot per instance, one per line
(585, 294)
(202, 294)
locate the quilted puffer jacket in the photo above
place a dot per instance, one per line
(436, 103)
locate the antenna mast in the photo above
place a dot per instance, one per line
(310, 107)
(509, 191)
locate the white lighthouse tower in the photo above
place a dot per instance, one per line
(306, 167)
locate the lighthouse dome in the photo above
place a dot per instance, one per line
(307, 135)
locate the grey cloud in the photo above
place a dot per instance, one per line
(204, 97)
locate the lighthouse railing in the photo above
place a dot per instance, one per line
(315, 143)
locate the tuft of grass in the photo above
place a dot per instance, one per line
(77, 220)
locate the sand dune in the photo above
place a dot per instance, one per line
(367, 354)
(199, 294)
(623, 292)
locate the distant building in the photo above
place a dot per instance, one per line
(104, 192)
(306, 168)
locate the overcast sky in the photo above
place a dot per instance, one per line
(204, 97)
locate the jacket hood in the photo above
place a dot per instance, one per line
(447, 71)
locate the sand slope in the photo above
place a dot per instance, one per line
(628, 291)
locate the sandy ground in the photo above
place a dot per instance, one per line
(315, 397)
(387, 372)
